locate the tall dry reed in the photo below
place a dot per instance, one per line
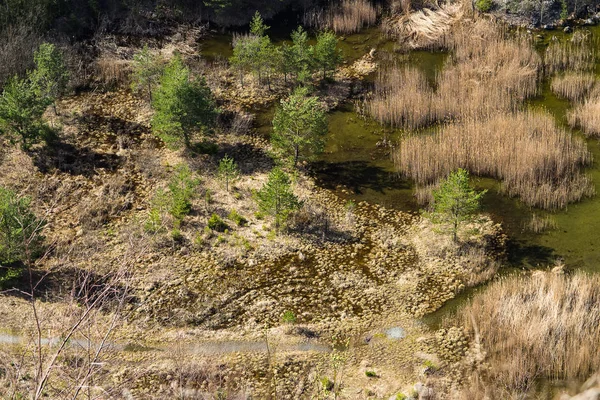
(587, 116)
(545, 326)
(350, 16)
(576, 54)
(533, 158)
(573, 86)
(487, 74)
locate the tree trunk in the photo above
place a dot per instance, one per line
(296, 155)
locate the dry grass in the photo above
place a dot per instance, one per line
(423, 28)
(486, 75)
(587, 116)
(547, 326)
(577, 54)
(573, 86)
(540, 224)
(535, 160)
(348, 17)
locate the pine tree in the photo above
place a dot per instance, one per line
(326, 54)
(50, 76)
(455, 201)
(181, 105)
(146, 73)
(20, 229)
(21, 110)
(276, 197)
(299, 127)
(228, 171)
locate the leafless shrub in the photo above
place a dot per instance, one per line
(17, 45)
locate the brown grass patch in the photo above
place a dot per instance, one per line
(587, 116)
(546, 326)
(577, 54)
(573, 86)
(348, 17)
(486, 75)
(536, 160)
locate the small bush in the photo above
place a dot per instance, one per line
(371, 374)
(484, 5)
(217, 224)
(20, 229)
(327, 384)
(176, 235)
(288, 317)
(182, 189)
(401, 396)
(237, 218)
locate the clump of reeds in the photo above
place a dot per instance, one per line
(402, 98)
(587, 116)
(487, 74)
(577, 54)
(535, 159)
(422, 28)
(546, 326)
(539, 224)
(573, 86)
(349, 16)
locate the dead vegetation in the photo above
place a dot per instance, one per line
(575, 55)
(517, 320)
(587, 116)
(573, 86)
(487, 74)
(423, 28)
(543, 169)
(347, 17)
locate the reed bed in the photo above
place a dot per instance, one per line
(350, 16)
(534, 159)
(573, 86)
(486, 75)
(577, 54)
(545, 326)
(587, 116)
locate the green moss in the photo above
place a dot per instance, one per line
(484, 5)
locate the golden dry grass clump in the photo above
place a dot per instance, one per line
(545, 326)
(487, 74)
(587, 116)
(422, 28)
(349, 17)
(577, 54)
(536, 161)
(573, 86)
